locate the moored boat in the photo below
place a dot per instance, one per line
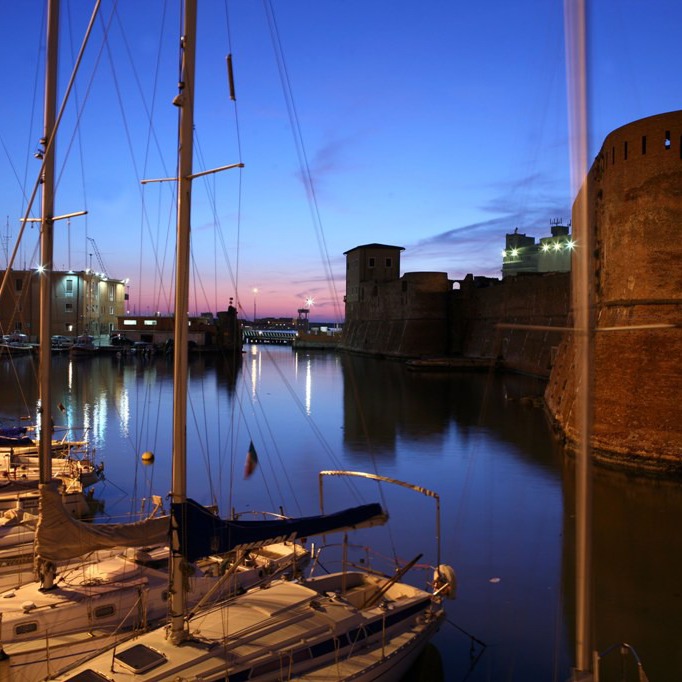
(16, 343)
(84, 345)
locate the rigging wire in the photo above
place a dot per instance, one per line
(80, 148)
(48, 144)
(302, 155)
(306, 174)
(234, 274)
(160, 242)
(114, 16)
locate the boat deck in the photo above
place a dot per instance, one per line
(272, 632)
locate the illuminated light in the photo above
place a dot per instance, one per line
(545, 247)
(514, 253)
(570, 245)
(40, 269)
(557, 246)
(309, 301)
(504, 254)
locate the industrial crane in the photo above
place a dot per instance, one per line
(99, 256)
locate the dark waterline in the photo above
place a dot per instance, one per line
(479, 441)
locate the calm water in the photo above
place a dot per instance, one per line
(505, 489)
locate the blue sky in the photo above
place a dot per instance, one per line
(438, 126)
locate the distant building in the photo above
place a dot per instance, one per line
(158, 329)
(551, 254)
(390, 314)
(222, 332)
(367, 266)
(83, 302)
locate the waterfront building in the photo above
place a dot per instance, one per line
(222, 332)
(83, 302)
(551, 254)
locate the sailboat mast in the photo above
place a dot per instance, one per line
(582, 279)
(47, 242)
(184, 101)
(47, 572)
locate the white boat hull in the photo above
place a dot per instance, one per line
(287, 631)
(97, 604)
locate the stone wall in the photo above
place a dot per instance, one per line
(509, 321)
(405, 318)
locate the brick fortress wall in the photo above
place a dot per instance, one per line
(634, 209)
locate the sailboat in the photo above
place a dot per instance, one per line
(117, 577)
(72, 464)
(356, 624)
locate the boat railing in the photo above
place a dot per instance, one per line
(625, 650)
(369, 561)
(393, 481)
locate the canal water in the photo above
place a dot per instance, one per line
(480, 441)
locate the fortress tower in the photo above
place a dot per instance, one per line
(633, 198)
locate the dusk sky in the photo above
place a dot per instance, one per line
(438, 126)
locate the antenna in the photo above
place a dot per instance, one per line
(5, 244)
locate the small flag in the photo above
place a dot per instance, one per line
(61, 407)
(251, 461)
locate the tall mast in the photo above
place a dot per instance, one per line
(185, 102)
(46, 255)
(582, 280)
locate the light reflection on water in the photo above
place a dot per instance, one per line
(477, 440)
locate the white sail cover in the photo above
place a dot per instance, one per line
(60, 537)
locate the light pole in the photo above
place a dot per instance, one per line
(255, 291)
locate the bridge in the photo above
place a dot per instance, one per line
(268, 336)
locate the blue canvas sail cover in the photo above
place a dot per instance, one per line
(202, 533)
(14, 436)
